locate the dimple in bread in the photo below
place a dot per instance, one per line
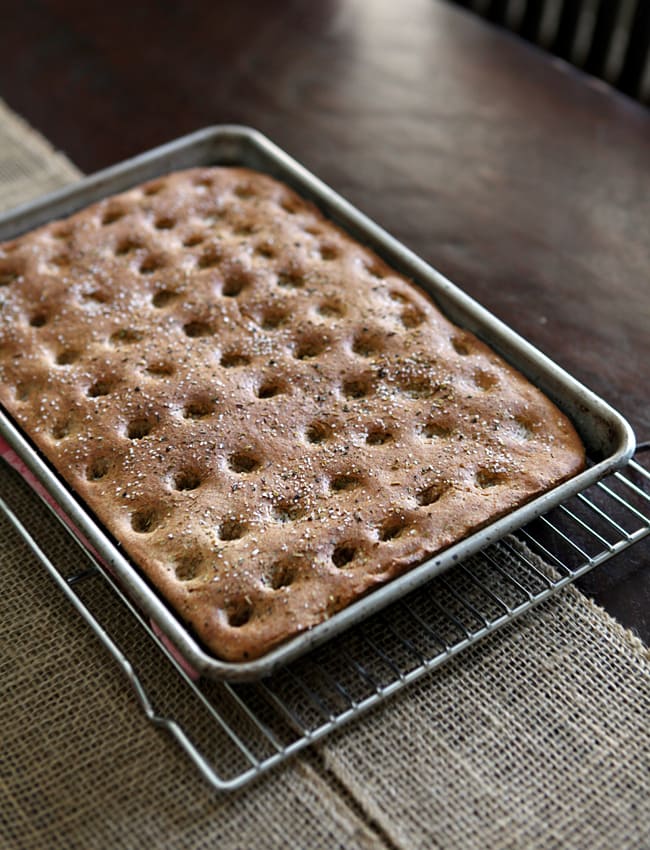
(268, 419)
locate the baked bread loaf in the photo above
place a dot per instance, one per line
(267, 418)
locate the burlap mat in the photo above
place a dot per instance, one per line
(538, 737)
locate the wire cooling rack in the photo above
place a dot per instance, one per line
(235, 732)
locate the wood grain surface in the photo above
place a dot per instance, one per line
(523, 180)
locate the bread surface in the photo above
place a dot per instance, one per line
(267, 418)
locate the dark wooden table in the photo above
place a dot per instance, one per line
(522, 180)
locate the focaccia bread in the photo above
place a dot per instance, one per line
(267, 418)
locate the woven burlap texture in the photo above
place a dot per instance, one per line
(536, 738)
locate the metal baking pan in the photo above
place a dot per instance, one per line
(607, 436)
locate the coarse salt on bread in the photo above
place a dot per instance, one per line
(268, 419)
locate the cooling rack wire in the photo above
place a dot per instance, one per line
(235, 732)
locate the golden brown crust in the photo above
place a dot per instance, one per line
(267, 417)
